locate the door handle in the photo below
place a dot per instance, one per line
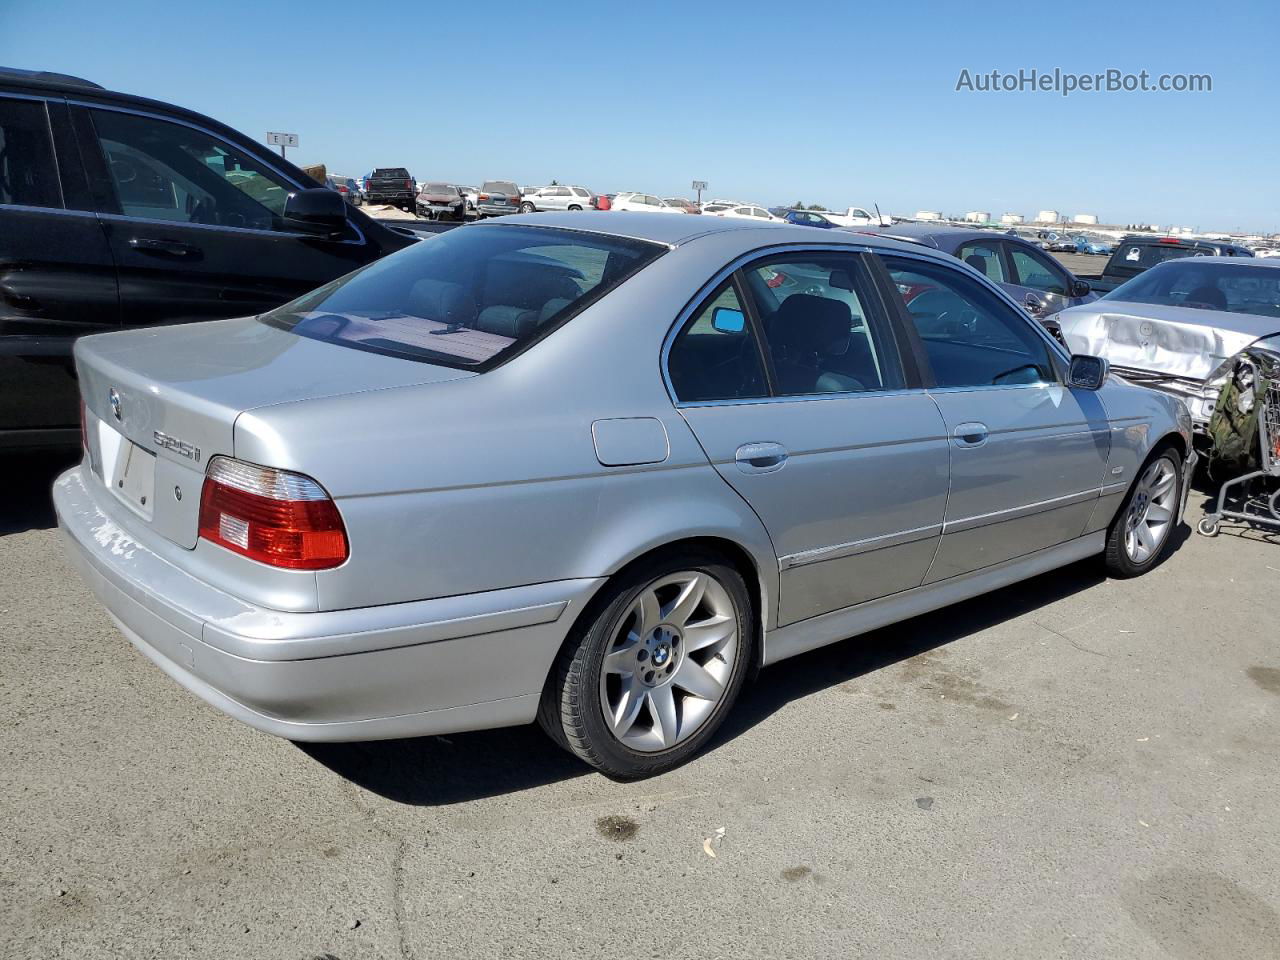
(970, 434)
(760, 457)
(172, 248)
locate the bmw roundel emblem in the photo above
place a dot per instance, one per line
(114, 399)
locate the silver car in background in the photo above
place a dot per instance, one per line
(1179, 326)
(593, 470)
(497, 198)
(555, 198)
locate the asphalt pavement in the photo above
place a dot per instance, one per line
(1071, 767)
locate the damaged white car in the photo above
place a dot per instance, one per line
(1179, 326)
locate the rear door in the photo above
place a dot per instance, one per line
(57, 278)
(195, 222)
(1028, 454)
(792, 379)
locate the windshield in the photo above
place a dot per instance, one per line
(467, 298)
(1206, 285)
(438, 188)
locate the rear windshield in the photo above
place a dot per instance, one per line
(499, 186)
(1202, 285)
(1136, 257)
(388, 172)
(469, 298)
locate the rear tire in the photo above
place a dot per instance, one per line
(574, 208)
(1140, 534)
(621, 695)
(526, 208)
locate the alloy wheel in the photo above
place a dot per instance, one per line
(670, 660)
(1151, 511)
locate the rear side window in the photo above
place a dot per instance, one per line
(983, 256)
(468, 298)
(716, 356)
(28, 174)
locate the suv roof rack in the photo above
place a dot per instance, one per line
(46, 76)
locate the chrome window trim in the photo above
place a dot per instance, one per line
(62, 211)
(704, 291)
(261, 158)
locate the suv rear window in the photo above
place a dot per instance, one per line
(500, 186)
(392, 172)
(469, 298)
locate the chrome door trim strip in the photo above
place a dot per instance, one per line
(1110, 488)
(853, 548)
(1015, 513)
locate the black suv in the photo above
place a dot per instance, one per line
(117, 211)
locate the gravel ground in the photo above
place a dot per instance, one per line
(1071, 767)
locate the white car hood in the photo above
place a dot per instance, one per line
(1178, 341)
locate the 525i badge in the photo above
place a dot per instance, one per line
(180, 447)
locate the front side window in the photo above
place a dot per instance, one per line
(28, 173)
(716, 355)
(971, 337)
(1034, 271)
(167, 171)
(823, 336)
(467, 298)
(984, 256)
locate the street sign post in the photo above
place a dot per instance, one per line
(282, 140)
(699, 186)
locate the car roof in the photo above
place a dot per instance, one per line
(46, 79)
(671, 230)
(935, 234)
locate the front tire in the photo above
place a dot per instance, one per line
(526, 208)
(1142, 529)
(646, 681)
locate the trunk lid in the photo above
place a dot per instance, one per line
(160, 403)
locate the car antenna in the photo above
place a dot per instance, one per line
(879, 218)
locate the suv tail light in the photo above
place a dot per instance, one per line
(275, 517)
(408, 184)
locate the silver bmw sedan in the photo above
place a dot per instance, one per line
(592, 469)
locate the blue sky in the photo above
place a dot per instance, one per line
(839, 103)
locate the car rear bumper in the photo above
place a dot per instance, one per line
(401, 670)
(496, 209)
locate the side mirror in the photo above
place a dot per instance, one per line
(1033, 305)
(1081, 288)
(319, 211)
(728, 320)
(1087, 373)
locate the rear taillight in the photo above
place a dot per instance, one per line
(275, 517)
(408, 184)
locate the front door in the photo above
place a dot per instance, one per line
(791, 378)
(195, 222)
(57, 279)
(1040, 277)
(1028, 455)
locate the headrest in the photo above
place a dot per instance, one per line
(812, 324)
(441, 301)
(978, 262)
